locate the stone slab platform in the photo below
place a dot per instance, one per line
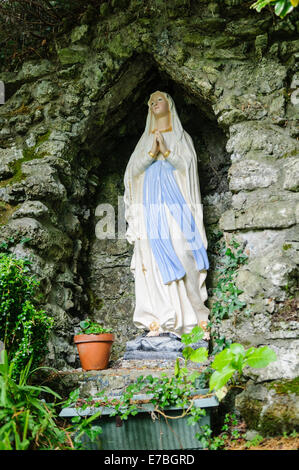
(113, 380)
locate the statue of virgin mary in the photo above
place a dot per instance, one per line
(165, 224)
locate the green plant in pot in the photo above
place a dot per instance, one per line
(94, 345)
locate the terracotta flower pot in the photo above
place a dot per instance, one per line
(94, 350)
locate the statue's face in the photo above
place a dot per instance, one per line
(158, 104)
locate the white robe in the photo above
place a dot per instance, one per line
(178, 306)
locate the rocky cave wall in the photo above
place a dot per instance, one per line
(70, 124)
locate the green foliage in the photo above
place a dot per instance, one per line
(87, 428)
(281, 7)
(194, 336)
(83, 425)
(23, 328)
(26, 421)
(163, 392)
(226, 293)
(234, 359)
(228, 431)
(194, 355)
(91, 328)
(255, 441)
(292, 434)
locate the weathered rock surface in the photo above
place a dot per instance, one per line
(68, 129)
(270, 408)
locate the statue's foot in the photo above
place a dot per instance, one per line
(153, 333)
(155, 329)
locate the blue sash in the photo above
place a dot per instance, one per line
(160, 188)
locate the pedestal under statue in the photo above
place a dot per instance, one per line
(165, 346)
(165, 224)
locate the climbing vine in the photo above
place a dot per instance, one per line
(226, 294)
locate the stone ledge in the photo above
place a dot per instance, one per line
(114, 379)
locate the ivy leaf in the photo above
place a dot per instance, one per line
(260, 357)
(219, 378)
(25, 240)
(76, 419)
(73, 398)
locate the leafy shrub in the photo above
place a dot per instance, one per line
(26, 421)
(23, 328)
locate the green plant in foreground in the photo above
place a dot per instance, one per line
(26, 421)
(233, 360)
(23, 328)
(92, 328)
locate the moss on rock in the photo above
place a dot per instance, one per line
(6, 210)
(285, 386)
(72, 55)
